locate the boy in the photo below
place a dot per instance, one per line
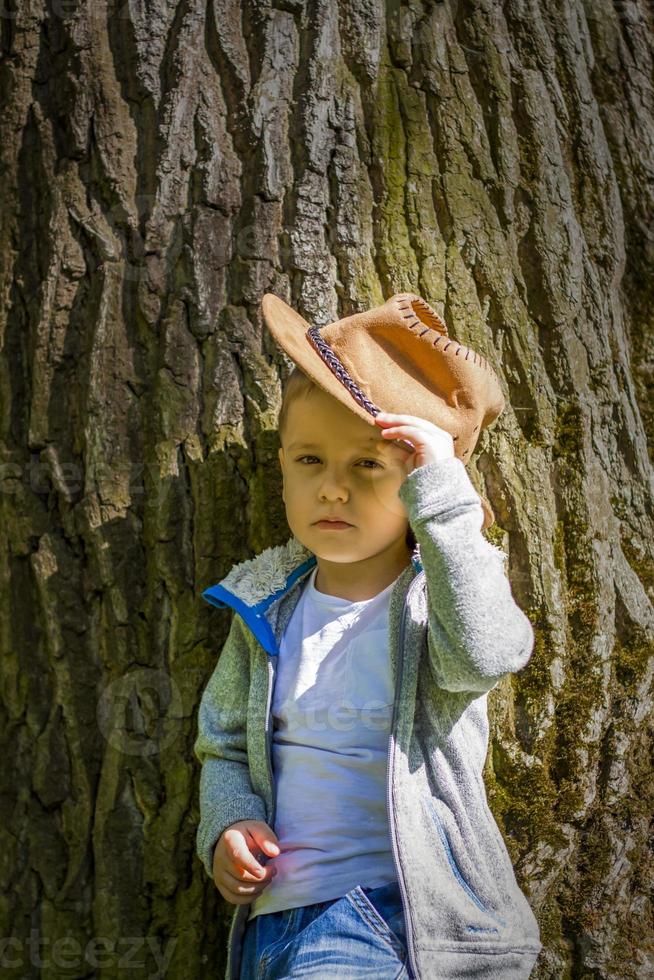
(357, 671)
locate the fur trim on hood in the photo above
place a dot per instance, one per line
(255, 579)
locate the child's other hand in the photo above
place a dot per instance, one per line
(235, 865)
(431, 442)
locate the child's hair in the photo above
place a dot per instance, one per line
(299, 385)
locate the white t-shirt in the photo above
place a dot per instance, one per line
(332, 707)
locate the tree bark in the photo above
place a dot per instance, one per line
(164, 165)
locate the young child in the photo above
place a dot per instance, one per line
(344, 730)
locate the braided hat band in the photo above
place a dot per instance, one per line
(338, 369)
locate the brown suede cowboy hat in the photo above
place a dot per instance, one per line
(397, 357)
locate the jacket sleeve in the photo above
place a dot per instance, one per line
(226, 793)
(476, 631)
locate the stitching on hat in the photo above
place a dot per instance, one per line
(420, 302)
(483, 363)
(412, 301)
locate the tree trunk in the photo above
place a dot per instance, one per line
(164, 165)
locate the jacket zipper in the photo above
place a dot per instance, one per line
(271, 683)
(391, 754)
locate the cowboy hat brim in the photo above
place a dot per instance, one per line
(290, 331)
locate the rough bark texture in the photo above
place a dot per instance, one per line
(163, 165)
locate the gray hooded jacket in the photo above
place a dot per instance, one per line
(455, 631)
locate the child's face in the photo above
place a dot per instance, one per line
(336, 465)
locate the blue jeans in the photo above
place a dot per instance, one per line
(362, 934)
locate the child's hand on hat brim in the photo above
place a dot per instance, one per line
(430, 441)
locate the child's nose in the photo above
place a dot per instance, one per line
(334, 483)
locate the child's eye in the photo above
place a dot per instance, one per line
(373, 461)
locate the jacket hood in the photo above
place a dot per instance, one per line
(251, 586)
(256, 579)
